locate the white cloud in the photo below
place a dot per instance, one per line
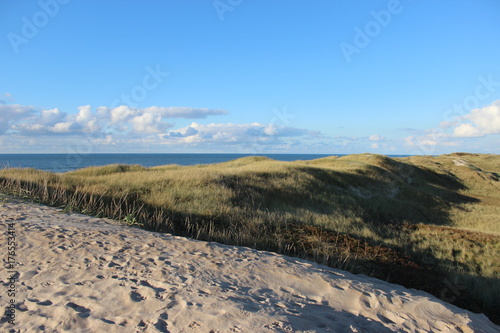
(270, 130)
(61, 127)
(137, 129)
(376, 137)
(430, 143)
(103, 112)
(52, 116)
(54, 121)
(148, 123)
(15, 109)
(457, 132)
(10, 114)
(184, 112)
(85, 114)
(27, 120)
(122, 114)
(448, 124)
(234, 134)
(480, 122)
(87, 120)
(466, 130)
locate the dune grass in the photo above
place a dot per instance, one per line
(437, 218)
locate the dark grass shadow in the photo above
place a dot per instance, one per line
(380, 196)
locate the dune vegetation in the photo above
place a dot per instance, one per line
(426, 222)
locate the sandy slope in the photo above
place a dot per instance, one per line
(83, 274)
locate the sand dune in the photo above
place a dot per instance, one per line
(84, 274)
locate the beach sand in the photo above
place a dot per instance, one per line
(83, 274)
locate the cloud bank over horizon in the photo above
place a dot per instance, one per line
(29, 120)
(125, 128)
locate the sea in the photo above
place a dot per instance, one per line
(59, 163)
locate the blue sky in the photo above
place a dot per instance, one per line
(241, 76)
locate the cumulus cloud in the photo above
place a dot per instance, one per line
(27, 120)
(184, 112)
(51, 116)
(377, 141)
(85, 120)
(430, 142)
(148, 123)
(376, 137)
(64, 127)
(10, 114)
(13, 110)
(146, 128)
(54, 121)
(182, 133)
(467, 130)
(124, 113)
(480, 122)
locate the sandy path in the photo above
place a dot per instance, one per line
(83, 274)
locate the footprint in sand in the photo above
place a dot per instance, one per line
(136, 297)
(142, 325)
(83, 312)
(161, 325)
(29, 274)
(194, 324)
(113, 264)
(107, 321)
(151, 260)
(147, 284)
(279, 326)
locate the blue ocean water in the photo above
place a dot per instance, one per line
(69, 162)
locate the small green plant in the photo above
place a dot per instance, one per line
(3, 199)
(131, 220)
(68, 208)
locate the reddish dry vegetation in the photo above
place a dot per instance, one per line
(393, 265)
(459, 234)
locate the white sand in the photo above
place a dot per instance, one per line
(83, 274)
